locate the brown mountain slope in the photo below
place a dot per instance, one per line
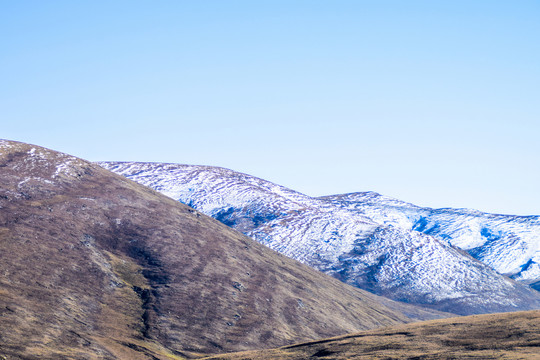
(495, 336)
(95, 266)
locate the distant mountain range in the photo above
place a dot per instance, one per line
(509, 244)
(95, 266)
(445, 259)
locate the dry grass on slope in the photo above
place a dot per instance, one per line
(494, 336)
(94, 266)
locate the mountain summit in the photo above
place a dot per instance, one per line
(340, 238)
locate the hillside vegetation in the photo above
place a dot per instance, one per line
(494, 336)
(95, 266)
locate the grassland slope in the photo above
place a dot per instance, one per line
(95, 266)
(494, 336)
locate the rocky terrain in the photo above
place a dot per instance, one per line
(339, 236)
(95, 266)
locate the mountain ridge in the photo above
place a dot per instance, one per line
(508, 243)
(407, 265)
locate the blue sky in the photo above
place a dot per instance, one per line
(436, 103)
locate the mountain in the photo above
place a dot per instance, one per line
(95, 266)
(494, 336)
(387, 260)
(509, 244)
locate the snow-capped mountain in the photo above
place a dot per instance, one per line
(509, 244)
(339, 238)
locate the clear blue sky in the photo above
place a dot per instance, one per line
(432, 102)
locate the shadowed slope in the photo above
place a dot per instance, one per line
(95, 266)
(495, 336)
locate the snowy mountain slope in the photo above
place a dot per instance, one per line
(507, 243)
(401, 264)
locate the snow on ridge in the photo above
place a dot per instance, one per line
(192, 183)
(505, 242)
(352, 240)
(6, 144)
(49, 164)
